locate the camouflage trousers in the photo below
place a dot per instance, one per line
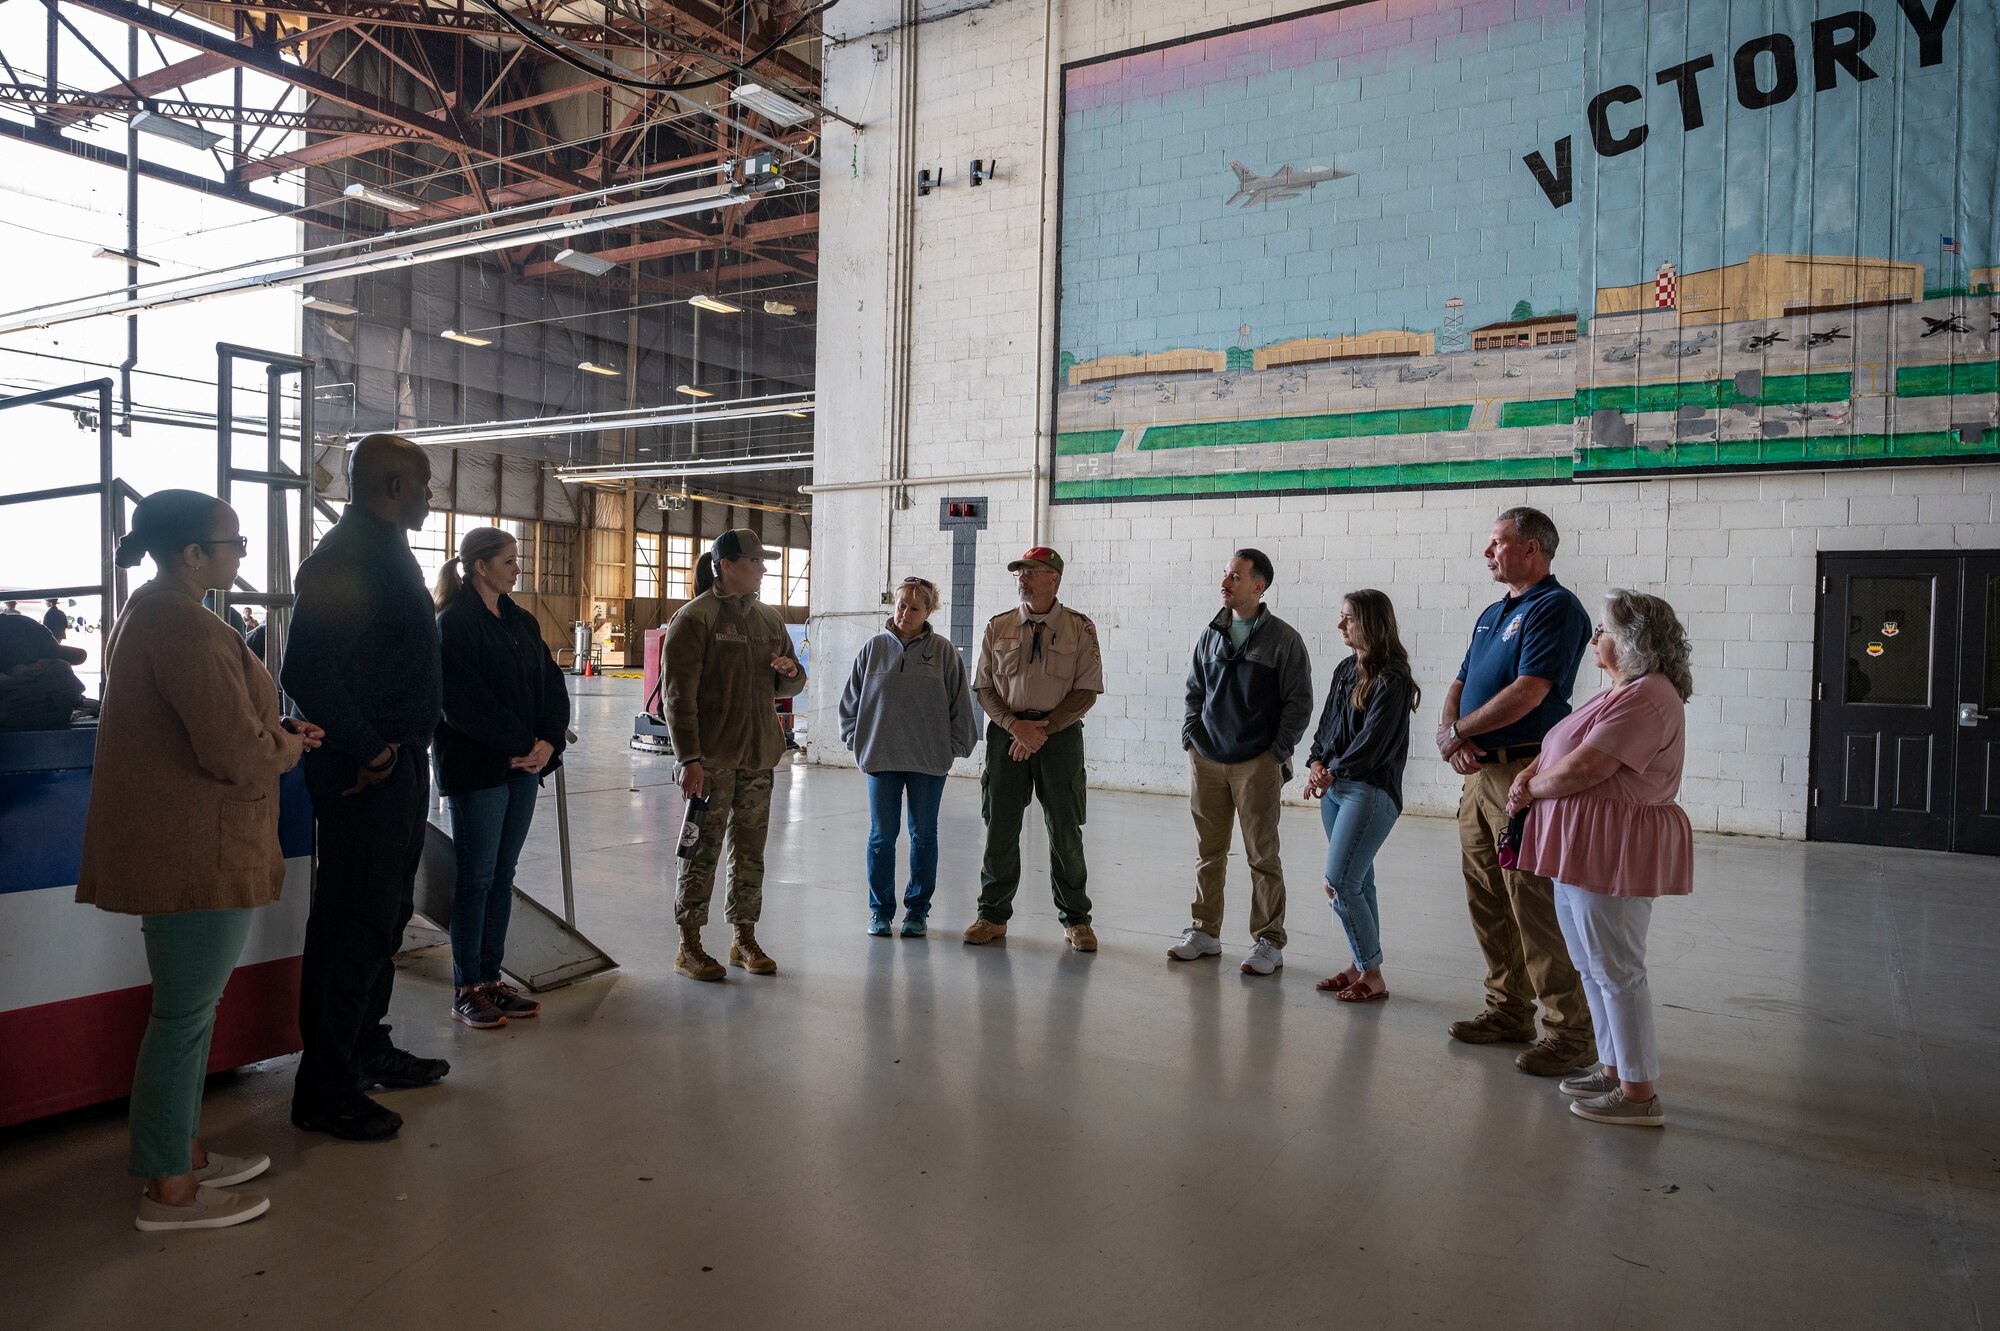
(739, 803)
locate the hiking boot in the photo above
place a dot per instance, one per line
(212, 1208)
(1194, 943)
(399, 1069)
(1082, 938)
(1588, 1084)
(691, 960)
(471, 1007)
(744, 952)
(511, 1000)
(1489, 1027)
(1613, 1107)
(984, 931)
(1553, 1056)
(1265, 957)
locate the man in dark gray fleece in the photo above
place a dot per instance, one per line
(1249, 699)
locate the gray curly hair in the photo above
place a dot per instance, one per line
(1648, 638)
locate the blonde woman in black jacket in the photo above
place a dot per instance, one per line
(506, 714)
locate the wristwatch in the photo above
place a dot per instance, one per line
(1451, 733)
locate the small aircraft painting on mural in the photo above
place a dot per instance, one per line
(1287, 182)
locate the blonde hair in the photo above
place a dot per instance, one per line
(1648, 639)
(477, 545)
(926, 590)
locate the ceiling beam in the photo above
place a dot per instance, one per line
(152, 83)
(776, 229)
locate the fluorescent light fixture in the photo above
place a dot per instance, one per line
(800, 414)
(772, 106)
(632, 418)
(381, 198)
(779, 307)
(294, 270)
(592, 367)
(692, 391)
(627, 471)
(712, 303)
(180, 131)
(585, 263)
(325, 306)
(122, 256)
(451, 335)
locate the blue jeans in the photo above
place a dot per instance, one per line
(886, 792)
(488, 828)
(1357, 818)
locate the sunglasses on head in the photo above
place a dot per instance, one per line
(925, 583)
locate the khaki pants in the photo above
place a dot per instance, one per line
(1514, 916)
(1249, 793)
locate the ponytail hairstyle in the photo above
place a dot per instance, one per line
(481, 543)
(704, 572)
(167, 522)
(1378, 647)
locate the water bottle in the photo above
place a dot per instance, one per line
(691, 825)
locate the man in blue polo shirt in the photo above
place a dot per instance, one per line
(1512, 689)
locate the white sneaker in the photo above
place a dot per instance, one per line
(1194, 943)
(1265, 957)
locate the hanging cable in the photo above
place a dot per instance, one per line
(587, 61)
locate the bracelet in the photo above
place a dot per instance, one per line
(383, 766)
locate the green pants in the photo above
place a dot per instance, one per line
(739, 803)
(191, 956)
(1054, 777)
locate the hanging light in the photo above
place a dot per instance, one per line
(381, 198)
(592, 367)
(585, 263)
(451, 335)
(691, 391)
(325, 306)
(180, 131)
(774, 107)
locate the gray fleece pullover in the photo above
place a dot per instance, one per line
(907, 707)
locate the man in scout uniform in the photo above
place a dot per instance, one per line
(1039, 672)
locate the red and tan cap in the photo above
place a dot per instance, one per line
(1038, 557)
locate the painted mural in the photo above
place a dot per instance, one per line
(1391, 245)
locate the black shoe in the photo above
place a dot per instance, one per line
(399, 1069)
(357, 1120)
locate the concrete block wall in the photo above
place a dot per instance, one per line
(1735, 554)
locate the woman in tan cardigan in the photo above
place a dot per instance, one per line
(183, 830)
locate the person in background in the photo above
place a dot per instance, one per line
(1040, 671)
(183, 832)
(726, 661)
(11, 608)
(907, 713)
(1513, 686)
(1602, 822)
(362, 661)
(506, 715)
(55, 621)
(24, 640)
(250, 621)
(1355, 771)
(1249, 697)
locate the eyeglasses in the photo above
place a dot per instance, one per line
(242, 543)
(1597, 633)
(925, 583)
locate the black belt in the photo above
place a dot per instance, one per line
(1031, 716)
(1513, 753)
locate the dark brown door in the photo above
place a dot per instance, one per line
(1906, 749)
(1976, 710)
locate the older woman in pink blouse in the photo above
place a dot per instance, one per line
(1603, 823)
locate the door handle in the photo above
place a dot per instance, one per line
(1969, 714)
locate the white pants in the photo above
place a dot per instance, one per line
(1607, 944)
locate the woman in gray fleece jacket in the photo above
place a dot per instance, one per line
(907, 712)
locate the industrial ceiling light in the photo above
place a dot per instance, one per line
(779, 307)
(613, 472)
(451, 335)
(692, 391)
(123, 256)
(592, 367)
(325, 306)
(633, 418)
(381, 198)
(714, 304)
(772, 106)
(800, 414)
(585, 263)
(180, 131)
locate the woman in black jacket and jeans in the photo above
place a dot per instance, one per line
(1355, 770)
(506, 713)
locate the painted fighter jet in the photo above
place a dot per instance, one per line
(1629, 351)
(1823, 339)
(1954, 323)
(1416, 374)
(1687, 346)
(1287, 182)
(1762, 340)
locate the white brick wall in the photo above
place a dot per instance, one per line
(1735, 554)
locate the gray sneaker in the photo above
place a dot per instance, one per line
(226, 1171)
(1265, 957)
(212, 1208)
(1586, 1084)
(1613, 1107)
(1194, 943)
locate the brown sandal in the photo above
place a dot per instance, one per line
(1334, 984)
(1359, 992)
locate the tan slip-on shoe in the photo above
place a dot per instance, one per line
(1082, 938)
(212, 1209)
(984, 931)
(1613, 1107)
(226, 1171)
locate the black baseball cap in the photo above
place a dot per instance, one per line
(741, 543)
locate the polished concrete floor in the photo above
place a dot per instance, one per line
(917, 1133)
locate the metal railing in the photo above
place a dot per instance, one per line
(284, 485)
(110, 492)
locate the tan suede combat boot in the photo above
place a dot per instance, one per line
(744, 952)
(691, 960)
